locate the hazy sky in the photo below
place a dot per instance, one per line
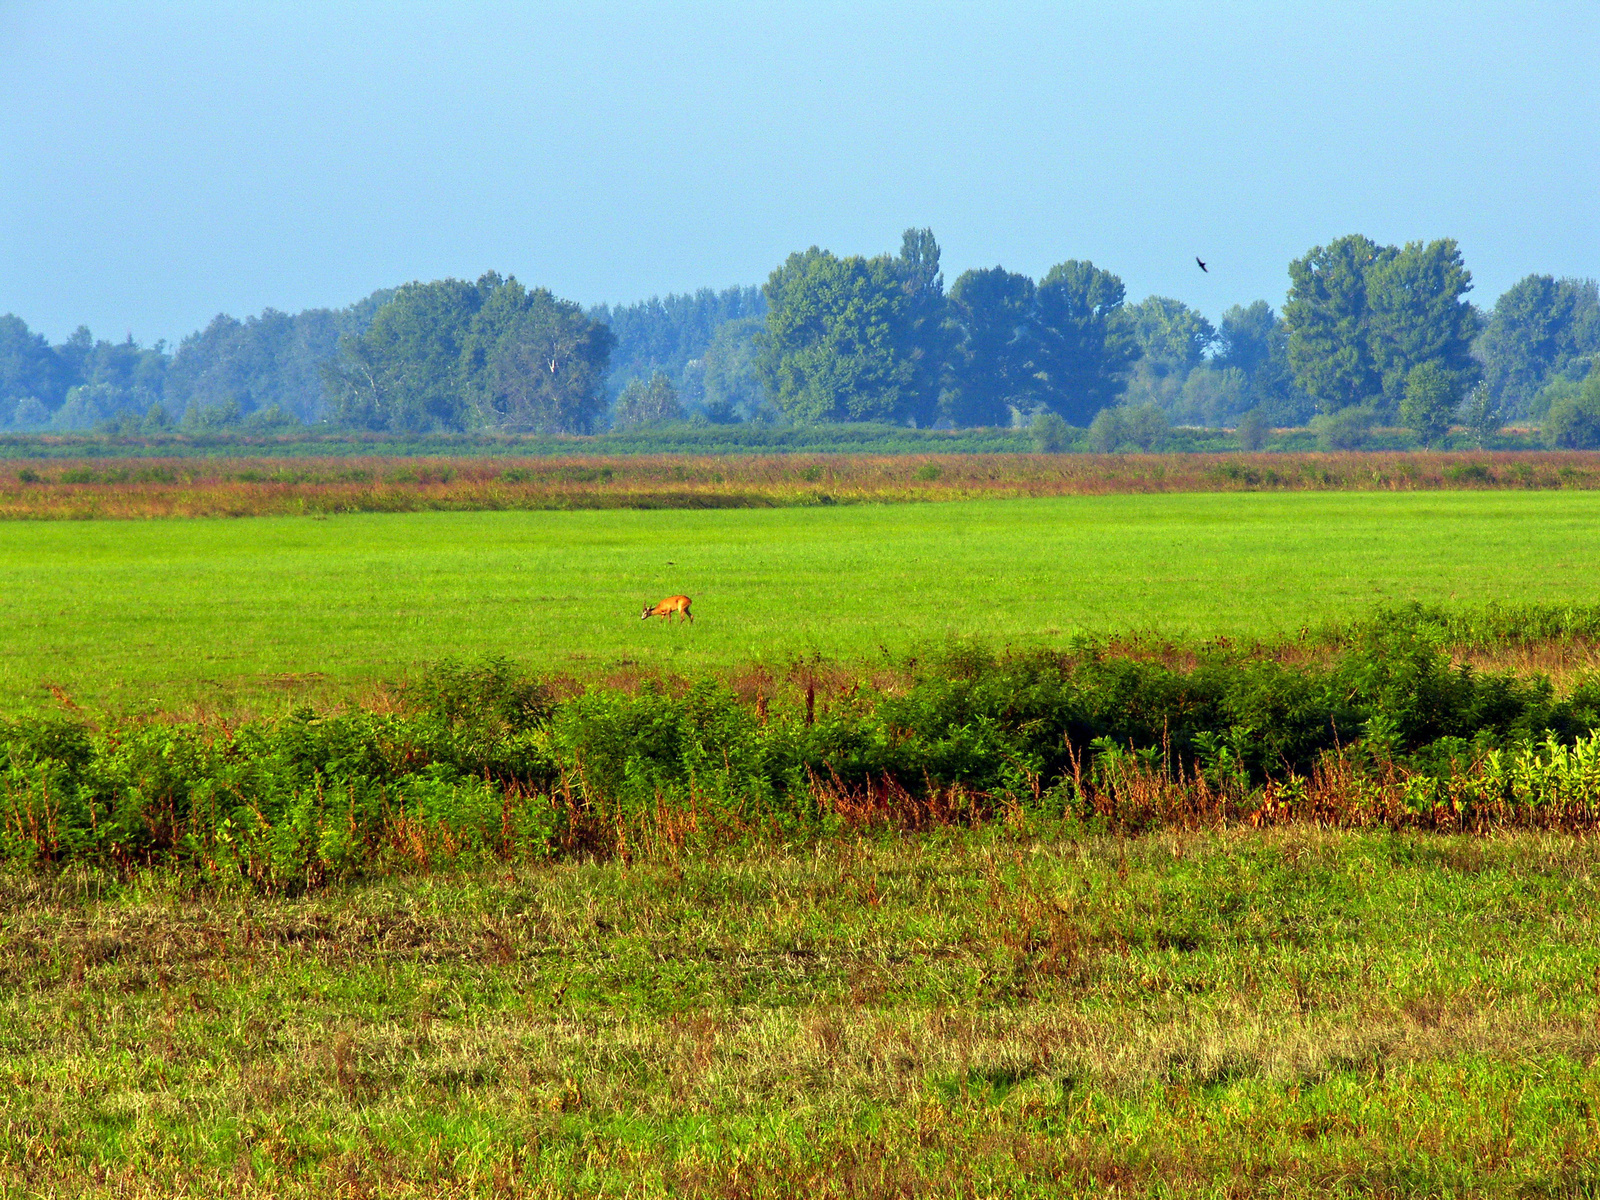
(162, 162)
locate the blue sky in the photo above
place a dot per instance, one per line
(162, 162)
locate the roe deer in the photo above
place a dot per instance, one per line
(672, 604)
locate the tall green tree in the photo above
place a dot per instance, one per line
(531, 362)
(29, 369)
(1361, 316)
(1541, 327)
(1255, 340)
(1418, 314)
(927, 335)
(1248, 336)
(989, 361)
(1429, 403)
(1173, 340)
(1172, 337)
(836, 337)
(1330, 350)
(404, 372)
(1084, 342)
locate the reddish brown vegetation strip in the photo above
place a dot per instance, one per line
(278, 487)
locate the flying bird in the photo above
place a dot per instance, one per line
(1202, 265)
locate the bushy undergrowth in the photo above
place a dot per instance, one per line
(486, 760)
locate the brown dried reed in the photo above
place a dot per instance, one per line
(231, 487)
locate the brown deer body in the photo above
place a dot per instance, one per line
(672, 604)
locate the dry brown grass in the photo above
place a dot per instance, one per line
(1564, 662)
(150, 488)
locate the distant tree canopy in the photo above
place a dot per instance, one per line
(223, 374)
(1362, 316)
(991, 348)
(1084, 342)
(1171, 336)
(673, 334)
(1541, 329)
(274, 360)
(29, 368)
(454, 355)
(1255, 341)
(730, 374)
(78, 384)
(1369, 334)
(837, 333)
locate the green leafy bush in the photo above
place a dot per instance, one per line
(486, 760)
(1573, 422)
(1050, 433)
(1253, 430)
(1346, 429)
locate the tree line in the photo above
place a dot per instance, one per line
(1369, 334)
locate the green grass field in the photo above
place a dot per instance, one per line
(137, 615)
(1296, 1012)
(1022, 1008)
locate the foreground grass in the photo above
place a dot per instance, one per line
(139, 615)
(1287, 1012)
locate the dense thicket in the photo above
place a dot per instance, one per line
(485, 755)
(1370, 335)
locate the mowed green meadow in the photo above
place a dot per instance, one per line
(263, 611)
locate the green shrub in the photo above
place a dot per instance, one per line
(485, 760)
(1050, 434)
(1347, 429)
(1473, 472)
(1140, 427)
(1573, 422)
(1253, 430)
(1429, 403)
